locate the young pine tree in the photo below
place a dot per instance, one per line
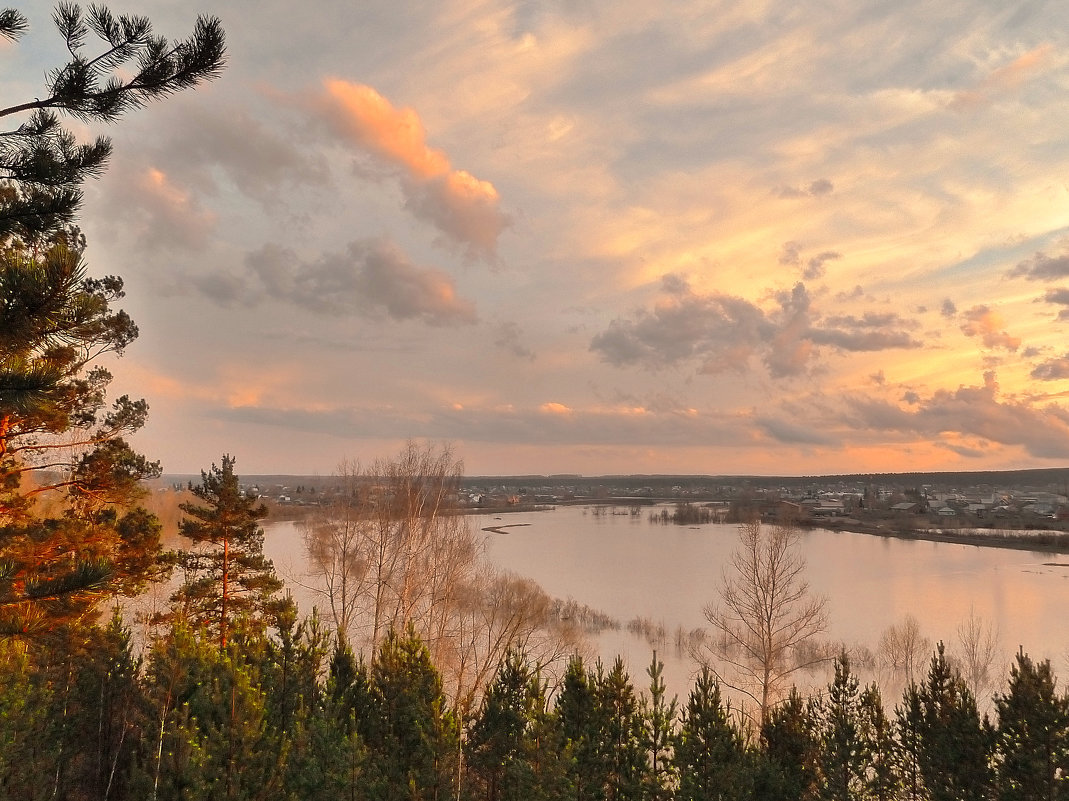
(226, 574)
(709, 753)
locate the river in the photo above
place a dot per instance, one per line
(629, 567)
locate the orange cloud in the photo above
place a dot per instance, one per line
(464, 208)
(395, 134)
(989, 325)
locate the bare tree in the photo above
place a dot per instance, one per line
(335, 538)
(391, 549)
(976, 655)
(767, 618)
(901, 650)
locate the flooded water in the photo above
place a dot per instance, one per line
(628, 567)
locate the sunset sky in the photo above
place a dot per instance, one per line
(597, 236)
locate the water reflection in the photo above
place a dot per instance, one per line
(629, 567)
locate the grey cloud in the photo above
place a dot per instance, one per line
(854, 294)
(1059, 295)
(473, 220)
(507, 337)
(207, 140)
(878, 378)
(511, 426)
(819, 187)
(948, 309)
(1052, 369)
(724, 332)
(1041, 266)
(370, 276)
(973, 411)
(675, 284)
(791, 433)
(791, 255)
(814, 268)
(865, 340)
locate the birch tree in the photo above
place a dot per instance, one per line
(765, 619)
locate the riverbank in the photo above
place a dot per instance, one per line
(1044, 541)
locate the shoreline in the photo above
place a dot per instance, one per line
(1019, 543)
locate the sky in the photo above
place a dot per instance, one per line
(596, 236)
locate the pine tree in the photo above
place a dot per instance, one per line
(226, 574)
(510, 742)
(791, 748)
(658, 716)
(623, 757)
(709, 754)
(1033, 735)
(576, 713)
(846, 751)
(410, 733)
(42, 166)
(55, 322)
(954, 741)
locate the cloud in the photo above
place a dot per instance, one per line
(507, 337)
(547, 423)
(205, 140)
(163, 214)
(1042, 267)
(972, 411)
(948, 309)
(986, 323)
(814, 268)
(791, 255)
(1060, 297)
(1053, 369)
(790, 432)
(1004, 79)
(819, 187)
(723, 332)
(462, 207)
(370, 276)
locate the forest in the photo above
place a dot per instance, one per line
(427, 676)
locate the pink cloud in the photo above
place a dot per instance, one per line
(464, 208)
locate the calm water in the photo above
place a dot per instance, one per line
(629, 567)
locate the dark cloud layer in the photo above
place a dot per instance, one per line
(1042, 267)
(973, 411)
(370, 276)
(723, 332)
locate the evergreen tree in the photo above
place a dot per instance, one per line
(658, 716)
(226, 573)
(211, 735)
(846, 749)
(42, 166)
(954, 742)
(1033, 735)
(55, 322)
(510, 744)
(576, 713)
(791, 748)
(410, 733)
(709, 753)
(623, 758)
